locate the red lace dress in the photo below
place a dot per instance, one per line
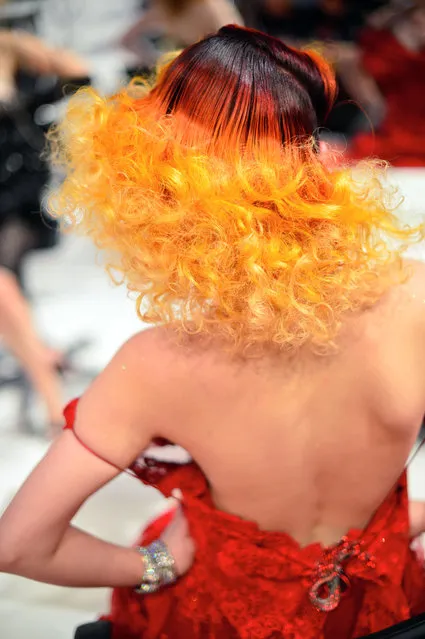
(250, 584)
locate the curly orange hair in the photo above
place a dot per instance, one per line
(210, 197)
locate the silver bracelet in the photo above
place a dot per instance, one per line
(159, 568)
(164, 560)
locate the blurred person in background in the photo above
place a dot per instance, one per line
(312, 19)
(292, 375)
(23, 52)
(301, 19)
(332, 27)
(249, 12)
(93, 30)
(180, 23)
(387, 76)
(40, 363)
(32, 74)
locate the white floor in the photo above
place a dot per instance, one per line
(74, 300)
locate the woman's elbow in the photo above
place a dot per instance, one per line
(10, 559)
(13, 554)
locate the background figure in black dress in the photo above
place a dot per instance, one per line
(29, 72)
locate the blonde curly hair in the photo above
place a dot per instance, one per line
(209, 195)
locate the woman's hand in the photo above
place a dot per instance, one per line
(179, 542)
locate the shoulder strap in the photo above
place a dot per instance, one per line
(70, 416)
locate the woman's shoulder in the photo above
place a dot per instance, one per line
(158, 348)
(178, 357)
(404, 303)
(397, 316)
(165, 339)
(409, 291)
(414, 286)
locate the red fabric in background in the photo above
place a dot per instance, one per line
(400, 75)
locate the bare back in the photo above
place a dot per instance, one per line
(309, 445)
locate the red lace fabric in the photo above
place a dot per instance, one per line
(250, 584)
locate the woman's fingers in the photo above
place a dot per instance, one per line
(178, 539)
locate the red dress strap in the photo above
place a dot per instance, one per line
(146, 468)
(70, 413)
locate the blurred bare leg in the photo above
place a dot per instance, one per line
(38, 361)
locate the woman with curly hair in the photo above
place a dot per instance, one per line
(285, 356)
